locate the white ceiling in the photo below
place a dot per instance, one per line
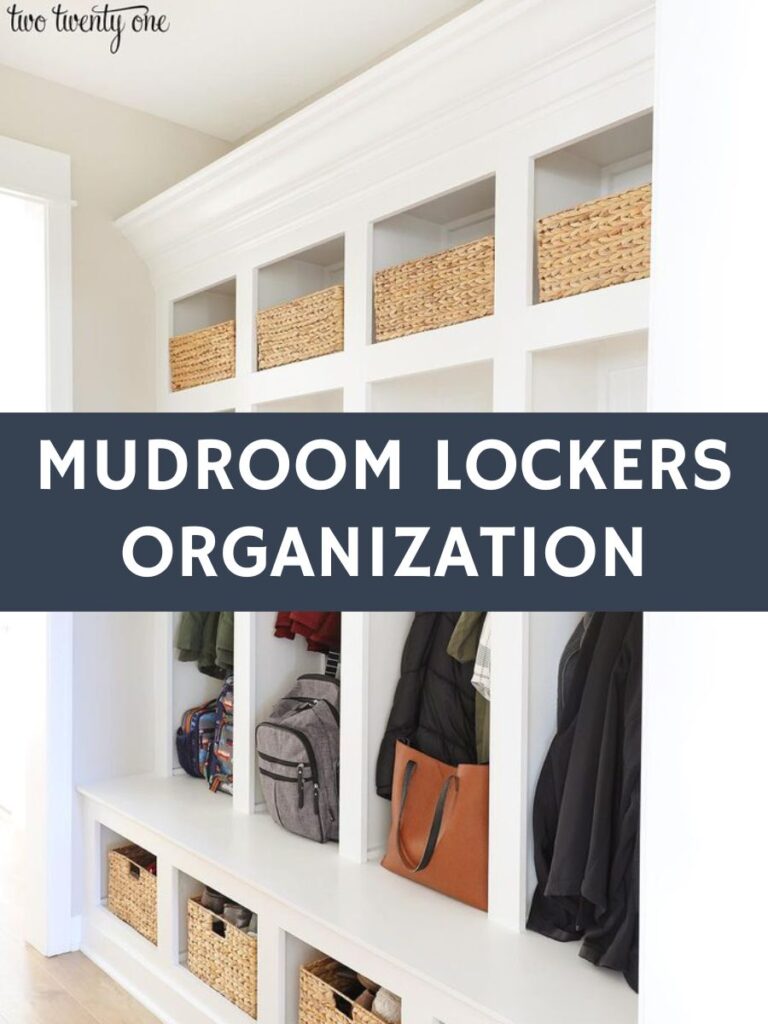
(228, 67)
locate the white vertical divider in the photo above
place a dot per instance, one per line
(165, 727)
(165, 331)
(353, 831)
(167, 911)
(245, 315)
(272, 971)
(509, 704)
(244, 738)
(417, 1010)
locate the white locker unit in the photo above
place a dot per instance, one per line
(511, 111)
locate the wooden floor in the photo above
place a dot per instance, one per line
(60, 990)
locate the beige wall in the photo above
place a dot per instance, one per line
(120, 158)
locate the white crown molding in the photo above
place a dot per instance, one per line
(482, 60)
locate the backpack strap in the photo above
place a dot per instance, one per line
(332, 662)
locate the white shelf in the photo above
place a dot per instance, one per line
(310, 376)
(514, 978)
(604, 313)
(445, 347)
(220, 396)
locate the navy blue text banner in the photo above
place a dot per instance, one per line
(376, 512)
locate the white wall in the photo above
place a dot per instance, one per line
(705, 703)
(119, 158)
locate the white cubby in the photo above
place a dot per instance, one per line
(609, 375)
(280, 662)
(107, 840)
(204, 308)
(548, 633)
(189, 688)
(188, 888)
(608, 161)
(603, 163)
(297, 954)
(321, 401)
(457, 389)
(310, 270)
(440, 223)
(387, 634)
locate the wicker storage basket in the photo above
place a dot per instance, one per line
(435, 291)
(132, 890)
(307, 327)
(223, 956)
(322, 999)
(595, 244)
(203, 357)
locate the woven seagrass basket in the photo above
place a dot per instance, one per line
(323, 999)
(435, 291)
(303, 329)
(223, 956)
(132, 890)
(594, 245)
(202, 357)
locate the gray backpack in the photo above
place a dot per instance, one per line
(298, 758)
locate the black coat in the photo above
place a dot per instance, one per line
(586, 812)
(434, 704)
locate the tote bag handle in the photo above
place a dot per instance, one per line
(437, 819)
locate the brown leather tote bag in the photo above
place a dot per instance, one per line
(439, 832)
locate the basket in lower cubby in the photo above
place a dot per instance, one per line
(329, 993)
(223, 956)
(132, 889)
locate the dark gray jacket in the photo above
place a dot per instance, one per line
(434, 704)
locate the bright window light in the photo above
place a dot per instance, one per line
(22, 305)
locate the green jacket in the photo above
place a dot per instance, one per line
(209, 639)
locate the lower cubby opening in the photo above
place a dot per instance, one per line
(609, 375)
(466, 388)
(321, 989)
(128, 887)
(402, 931)
(298, 954)
(218, 943)
(319, 401)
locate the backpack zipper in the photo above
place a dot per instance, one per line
(312, 764)
(278, 778)
(311, 702)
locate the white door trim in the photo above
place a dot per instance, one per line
(44, 175)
